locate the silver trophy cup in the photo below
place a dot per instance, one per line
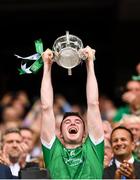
(67, 51)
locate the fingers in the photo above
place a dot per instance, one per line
(127, 169)
(23, 147)
(5, 157)
(47, 56)
(5, 152)
(89, 53)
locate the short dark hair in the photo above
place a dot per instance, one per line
(124, 128)
(67, 114)
(9, 131)
(26, 129)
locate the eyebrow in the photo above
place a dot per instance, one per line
(68, 119)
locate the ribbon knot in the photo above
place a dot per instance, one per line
(37, 58)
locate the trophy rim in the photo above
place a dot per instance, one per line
(64, 36)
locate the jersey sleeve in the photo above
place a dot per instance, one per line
(48, 150)
(98, 147)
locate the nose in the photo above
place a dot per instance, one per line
(73, 123)
(15, 144)
(119, 142)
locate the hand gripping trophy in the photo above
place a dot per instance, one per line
(67, 54)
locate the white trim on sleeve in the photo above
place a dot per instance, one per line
(98, 141)
(48, 145)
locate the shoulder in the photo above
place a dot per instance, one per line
(137, 168)
(3, 166)
(5, 172)
(109, 172)
(112, 166)
(136, 163)
(95, 146)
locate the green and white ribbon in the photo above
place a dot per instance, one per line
(136, 78)
(37, 58)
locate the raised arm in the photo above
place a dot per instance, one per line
(94, 122)
(48, 119)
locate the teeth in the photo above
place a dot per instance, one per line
(119, 148)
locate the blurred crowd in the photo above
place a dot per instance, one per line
(20, 124)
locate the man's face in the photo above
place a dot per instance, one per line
(72, 130)
(134, 87)
(12, 143)
(122, 145)
(27, 137)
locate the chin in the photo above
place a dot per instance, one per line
(121, 153)
(75, 141)
(74, 137)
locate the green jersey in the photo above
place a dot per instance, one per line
(84, 162)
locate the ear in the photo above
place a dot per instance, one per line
(84, 134)
(61, 135)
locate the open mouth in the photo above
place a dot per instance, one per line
(73, 130)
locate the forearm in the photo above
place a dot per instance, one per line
(94, 121)
(92, 87)
(48, 120)
(46, 89)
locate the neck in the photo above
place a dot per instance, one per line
(71, 146)
(123, 157)
(13, 160)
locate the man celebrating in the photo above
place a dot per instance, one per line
(124, 166)
(72, 159)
